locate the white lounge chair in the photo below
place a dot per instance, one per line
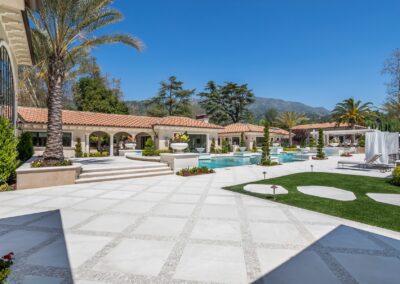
(367, 163)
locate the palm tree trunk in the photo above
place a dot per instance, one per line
(290, 137)
(54, 148)
(353, 136)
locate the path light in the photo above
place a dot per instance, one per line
(274, 187)
(312, 168)
(264, 173)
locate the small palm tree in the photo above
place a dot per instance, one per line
(289, 120)
(353, 113)
(63, 29)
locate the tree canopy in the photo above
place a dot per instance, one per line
(172, 99)
(227, 103)
(353, 112)
(92, 94)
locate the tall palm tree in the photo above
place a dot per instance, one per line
(353, 113)
(61, 30)
(289, 120)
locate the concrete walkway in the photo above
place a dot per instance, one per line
(188, 230)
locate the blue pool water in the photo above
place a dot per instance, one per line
(234, 161)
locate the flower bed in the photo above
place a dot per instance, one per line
(194, 171)
(346, 155)
(42, 163)
(5, 266)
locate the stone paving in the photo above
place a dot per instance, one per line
(188, 230)
(328, 192)
(388, 198)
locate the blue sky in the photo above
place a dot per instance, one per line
(317, 52)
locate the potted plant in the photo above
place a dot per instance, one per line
(242, 145)
(334, 142)
(130, 144)
(179, 142)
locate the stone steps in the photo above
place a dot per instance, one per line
(115, 173)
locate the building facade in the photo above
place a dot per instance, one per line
(15, 51)
(110, 132)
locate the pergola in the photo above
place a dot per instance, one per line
(341, 132)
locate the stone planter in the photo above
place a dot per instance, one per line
(200, 150)
(28, 177)
(179, 147)
(242, 149)
(334, 144)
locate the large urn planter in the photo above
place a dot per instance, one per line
(334, 144)
(200, 150)
(130, 146)
(179, 147)
(242, 149)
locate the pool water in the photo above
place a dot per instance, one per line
(234, 161)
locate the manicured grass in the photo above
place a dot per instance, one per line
(363, 209)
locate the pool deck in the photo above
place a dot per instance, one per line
(188, 230)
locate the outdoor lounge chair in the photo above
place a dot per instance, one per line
(367, 163)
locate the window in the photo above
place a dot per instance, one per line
(39, 139)
(259, 141)
(235, 140)
(7, 94)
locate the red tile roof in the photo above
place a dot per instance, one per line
(323, 125)
(39, 115)
(247, 127)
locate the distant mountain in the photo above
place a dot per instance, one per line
(261, 104)
(258, 108)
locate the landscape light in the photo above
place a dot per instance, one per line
(264, 173)
(312, 168)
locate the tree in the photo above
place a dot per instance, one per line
(78, 148)
(228, 103)
(271, 115)
(25, 147)
(212, 147)
(62, 29)
(353, 113)
(242, 141)
(391, 68)
(266, 153)
(225, 146)
(289, 120)
(311, 142)
(172, 99)
(320, 146)
(91, 94)
(8, 153)
(149, 148)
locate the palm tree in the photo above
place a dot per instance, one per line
(63, 29)
(353, 113)
(289, 120)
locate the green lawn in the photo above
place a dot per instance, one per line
(363, 209)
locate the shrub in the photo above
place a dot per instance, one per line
(225, 146)
(180, 138)
(8, 153)
(43, 163)
(254, 147)
(396, 176)
(320, 147)
(290, 149)
(149, 148)
(78, 148)
(242, 142)
(269, 163)
(25, 147)
(5, 187)
(194, 171)
(361, 141)
(5, 266)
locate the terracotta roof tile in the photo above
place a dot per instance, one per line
(247, 127)
(39, 115)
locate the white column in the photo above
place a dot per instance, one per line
(87, 142)
(111, 145)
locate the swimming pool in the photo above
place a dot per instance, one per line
(234, 161)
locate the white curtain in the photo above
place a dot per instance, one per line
(384, 143)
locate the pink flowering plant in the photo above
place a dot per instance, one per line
(5, 266)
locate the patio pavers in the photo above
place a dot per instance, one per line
(192, 231)
(393, 199)
(327, 192)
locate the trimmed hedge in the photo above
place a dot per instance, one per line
(25, 147)
(8, 150)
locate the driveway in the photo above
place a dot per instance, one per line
(172, 229)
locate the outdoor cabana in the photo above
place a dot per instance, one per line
(252, 134)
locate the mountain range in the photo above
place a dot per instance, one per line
(258, 108)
